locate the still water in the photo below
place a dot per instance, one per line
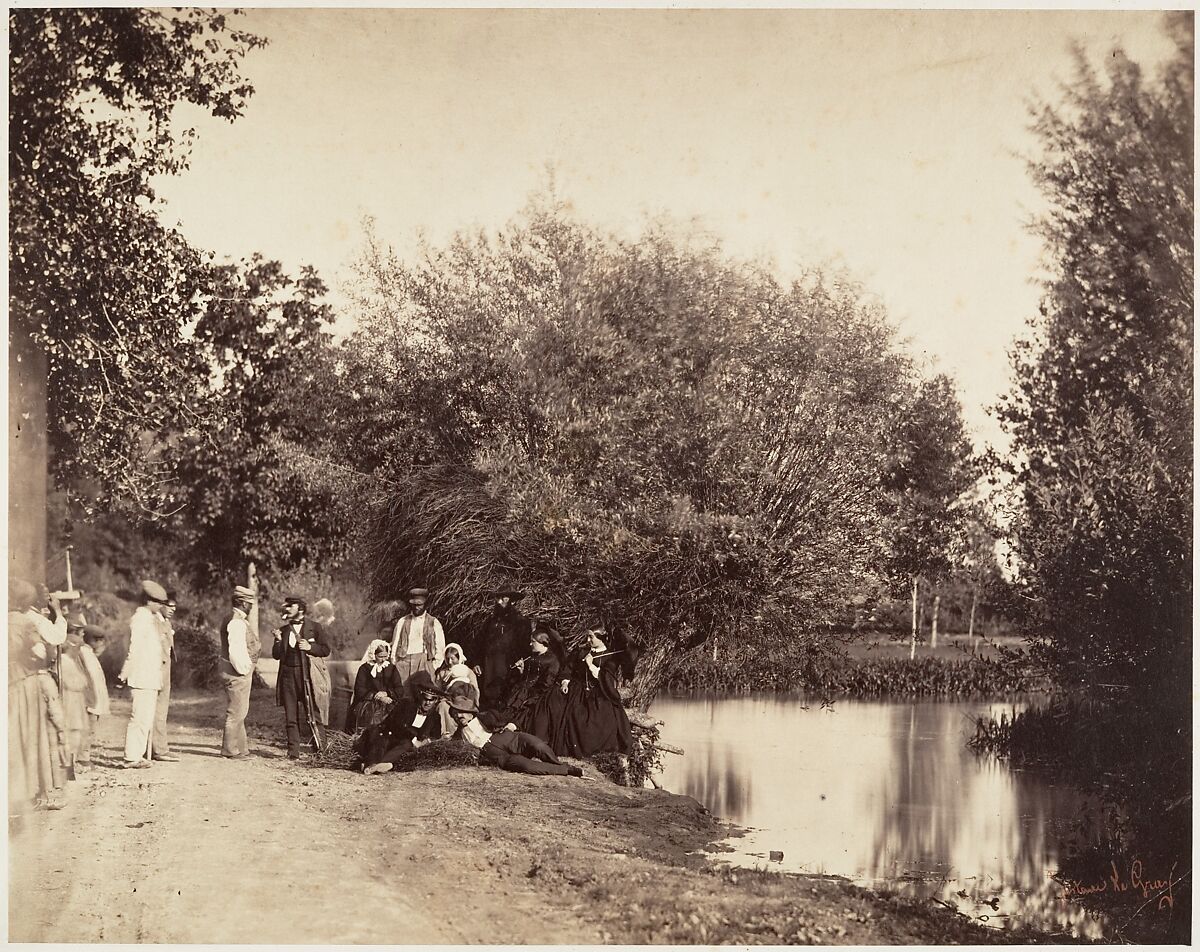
(884, 793)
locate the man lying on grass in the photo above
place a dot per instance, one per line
(504, 746)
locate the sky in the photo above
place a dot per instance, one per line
(890, 143)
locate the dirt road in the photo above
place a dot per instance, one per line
(268, 850)
(221, 851)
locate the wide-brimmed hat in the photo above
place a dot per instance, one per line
(422, 683)
(154, 591)
(463, 702)
(513, 593)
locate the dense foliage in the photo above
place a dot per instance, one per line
(1101, 415)
(104, 289)
(644, 432)
(265, 340)
(856, 677)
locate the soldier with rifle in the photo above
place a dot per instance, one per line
(297, 640)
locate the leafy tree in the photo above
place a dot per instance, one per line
(265, 338)
(100, 290)
(644, 432)
(931, 471)
(1101, 412)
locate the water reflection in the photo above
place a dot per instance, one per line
(884, 793)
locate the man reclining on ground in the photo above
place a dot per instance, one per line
(503, 745)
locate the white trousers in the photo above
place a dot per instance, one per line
(141, 723)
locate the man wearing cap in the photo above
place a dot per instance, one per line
(161, 748)
(142, 671)
(239, 652)
(503, 640)
(418, 642)
(296, 641)
(501, 745)
(411, 723)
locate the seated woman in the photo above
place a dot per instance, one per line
(594, 718)
(376, 688)
(452, 670)
(532, 702)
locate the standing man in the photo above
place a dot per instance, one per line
(142, 671)
(503, 640)
(162, 749)
(239, 653)
(296, 640)
(418, 642)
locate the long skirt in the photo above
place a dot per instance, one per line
(78, 729)
(35, 759)
(547, 719)
(594, 723)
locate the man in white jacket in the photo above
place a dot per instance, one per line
(239, 652)
(142, 671)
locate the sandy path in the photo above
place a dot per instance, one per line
(194, 852)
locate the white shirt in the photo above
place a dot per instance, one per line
(143, 664)
(51, 632)
(235, 633)
(474, 734)
(416, 639)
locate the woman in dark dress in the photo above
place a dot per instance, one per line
(377, 688)
(594, 719)
(527, 703)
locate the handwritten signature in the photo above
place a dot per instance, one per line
(1137, 881)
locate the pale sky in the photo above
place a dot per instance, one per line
(887, 142)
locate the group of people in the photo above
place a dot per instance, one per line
(528, 702)
(57, 690)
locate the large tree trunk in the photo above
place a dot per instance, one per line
(912, 651)
(937, 604)
(28, 458)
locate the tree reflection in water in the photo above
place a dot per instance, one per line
(884, 793)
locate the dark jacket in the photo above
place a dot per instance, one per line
(282, 651)
(366, 686)
(395, 733)
(503, 639)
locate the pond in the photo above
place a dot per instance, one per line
(884, 793)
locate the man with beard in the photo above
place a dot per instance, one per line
(296, 641)
(418, 642)
(502, 641)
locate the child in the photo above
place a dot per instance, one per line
(96, 695)
(73, 685)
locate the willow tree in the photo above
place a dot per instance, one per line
(646, 433)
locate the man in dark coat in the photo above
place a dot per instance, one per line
(503, 639)
(502, 746)
(411, 723)
(296, 640)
